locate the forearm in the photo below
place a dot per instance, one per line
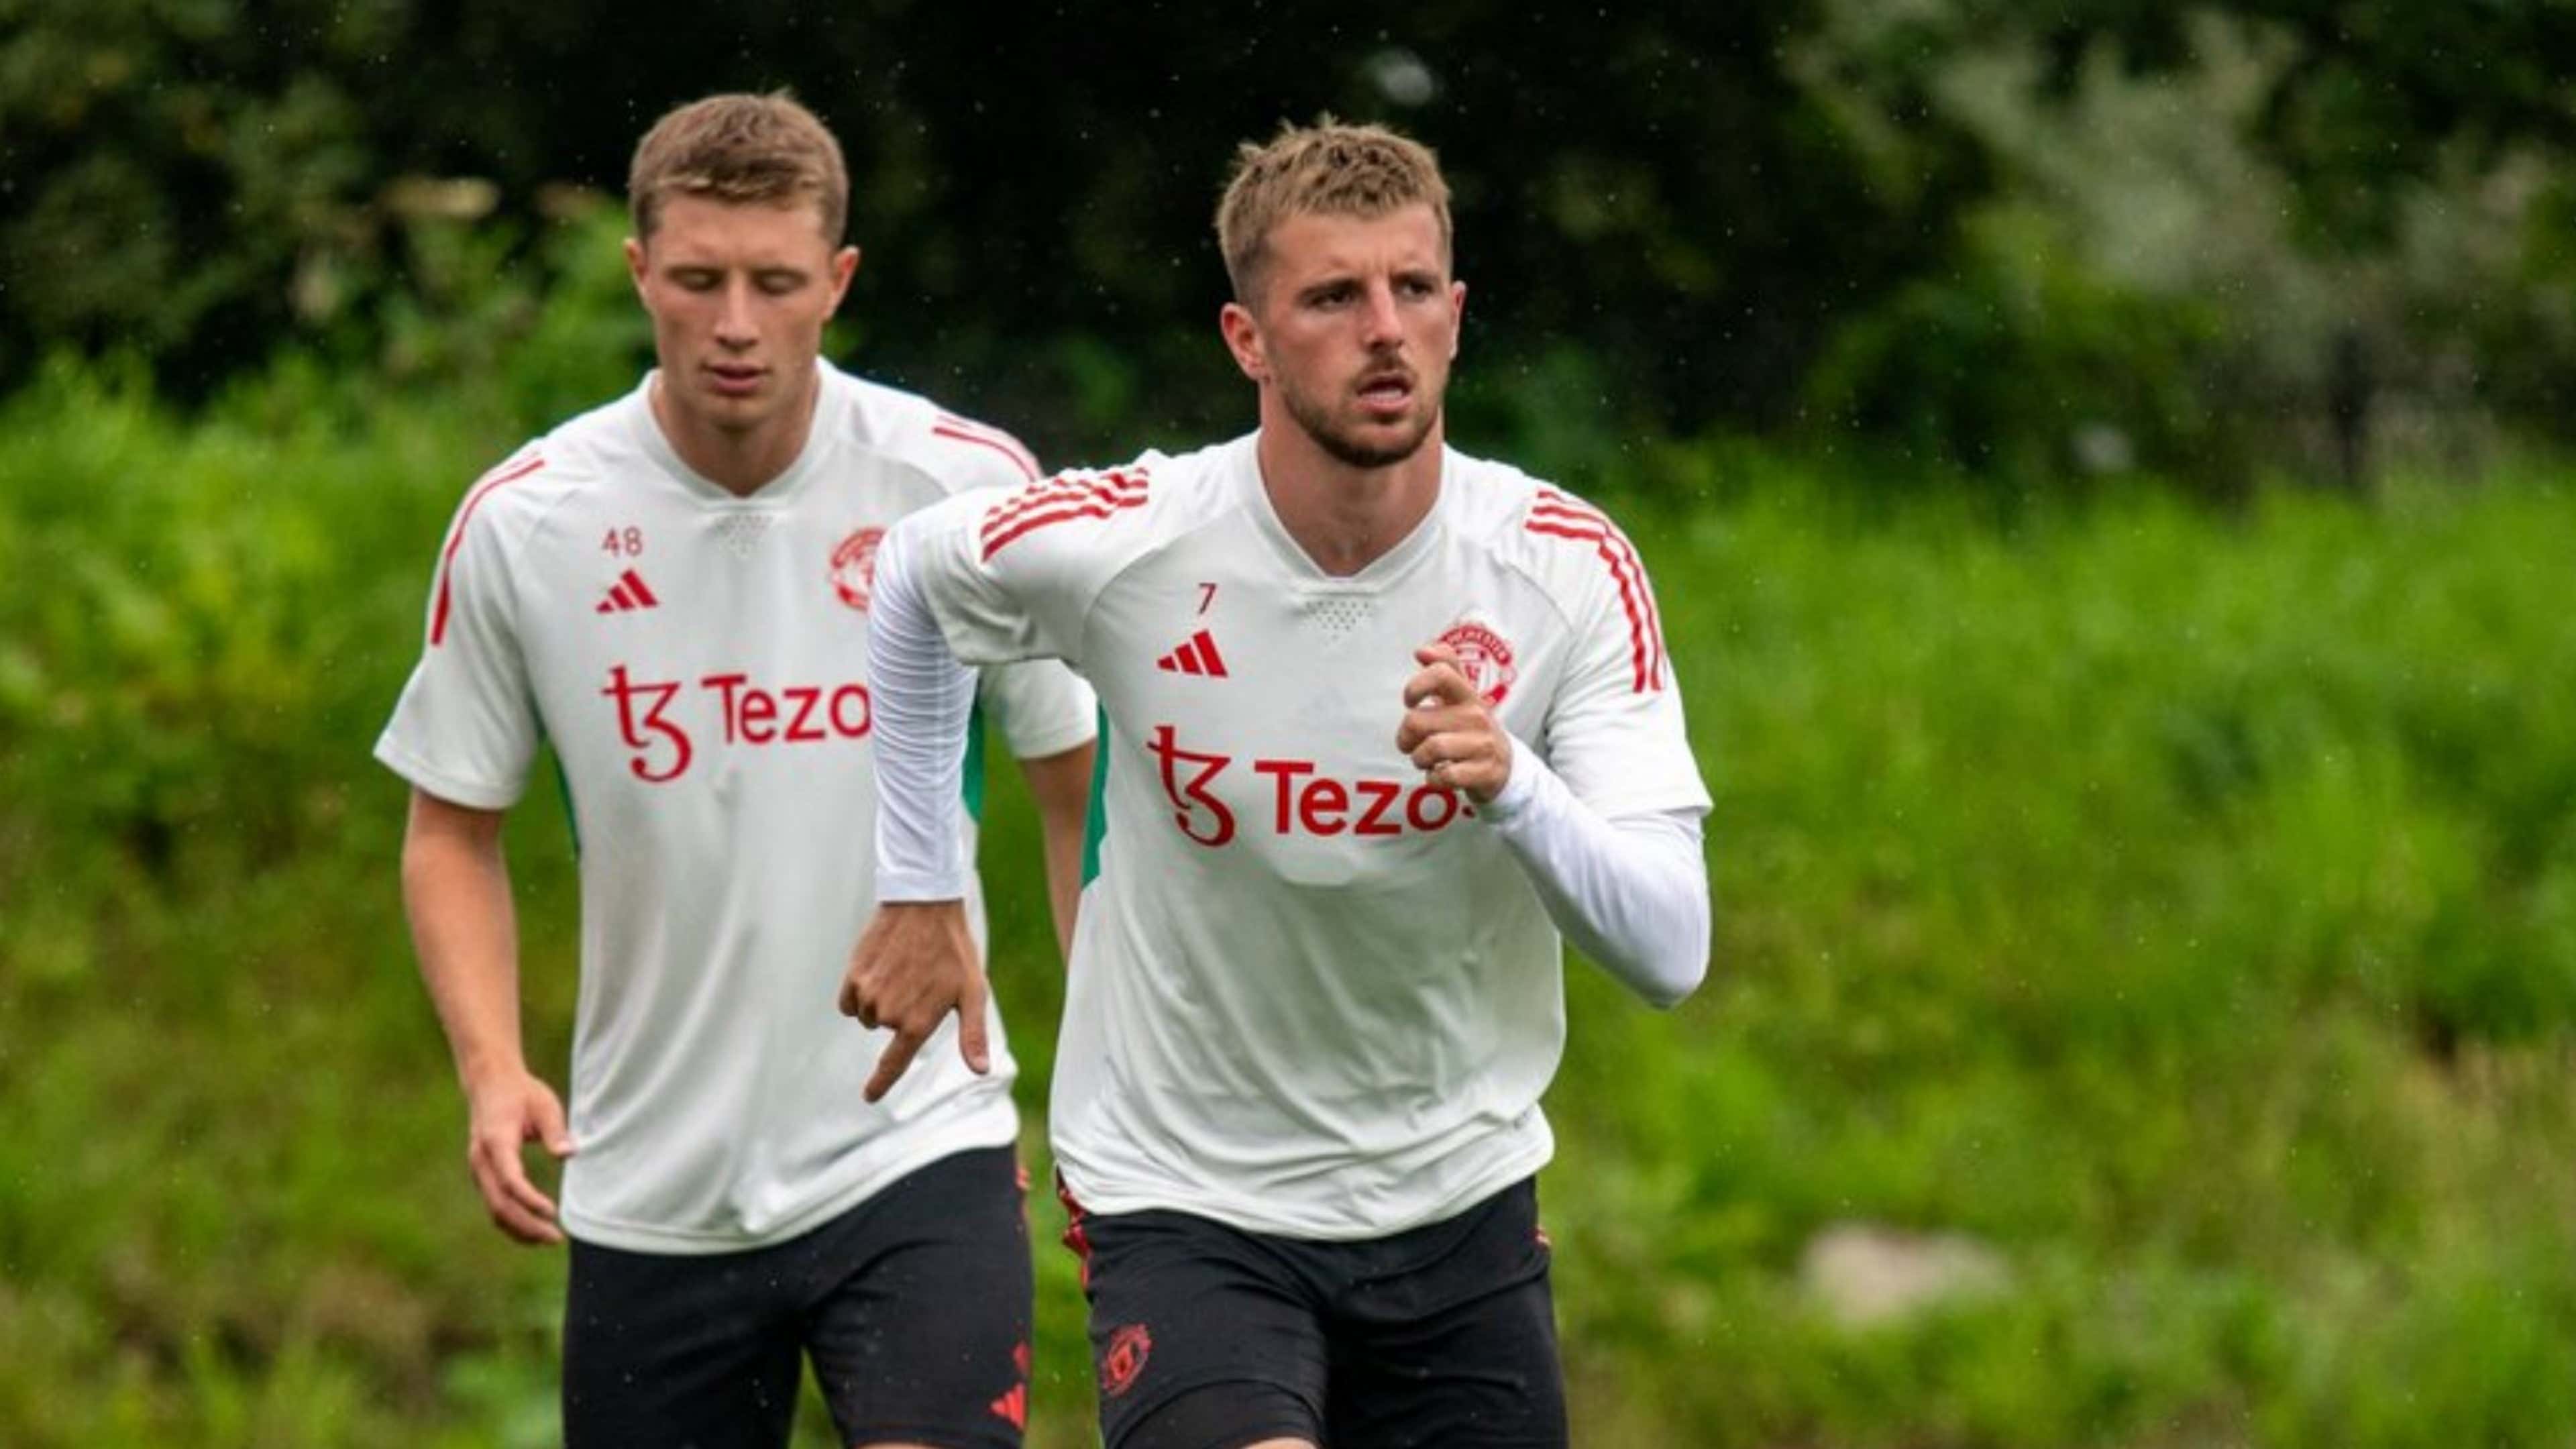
(1632, 894)
(920, 697)
(1061, 785)
(456, 891)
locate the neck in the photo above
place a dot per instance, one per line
(1344, 517)
(740, 461)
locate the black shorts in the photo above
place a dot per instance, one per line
(1208, 1337)
(914, 1306)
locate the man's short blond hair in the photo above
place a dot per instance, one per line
(1329, 168)
(740, 148)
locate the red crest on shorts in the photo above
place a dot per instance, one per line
(1485, 657)
(1128, 1349)
(854, 566)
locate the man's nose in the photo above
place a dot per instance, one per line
(734, 316)
(1379, 324)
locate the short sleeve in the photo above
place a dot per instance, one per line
(465, 729)
(1011, 575)
(1614, 731)
(1042, 707)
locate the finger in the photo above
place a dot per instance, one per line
(858, 1001)
(510, 1207)
(1440, 684)
(511, 1171)
(1450, 747)
(970, 1025)
(547, 1125)
(1430, 654)
(1415, 729)
(890, 1065)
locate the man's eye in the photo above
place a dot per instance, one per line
(694, 280)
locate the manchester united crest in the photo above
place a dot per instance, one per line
(1485, 657)
(854, 567)
(1128, 1349)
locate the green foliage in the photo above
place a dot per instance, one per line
(2179, 904)
(2208, 240)
(2368, 92)
(2023, 367)
(203, 181)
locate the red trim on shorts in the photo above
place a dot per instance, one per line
(447, 560)
(1074, 1237)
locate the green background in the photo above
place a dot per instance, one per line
(2104, 477)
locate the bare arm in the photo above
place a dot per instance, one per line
(456, 889)
(1061, 785)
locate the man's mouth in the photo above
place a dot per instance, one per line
(734, 379)
(1387, 392)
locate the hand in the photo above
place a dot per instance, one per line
(503, 1115)
(1449, 733)
(914, 964)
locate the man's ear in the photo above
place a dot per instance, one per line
(845, 265)
(1243, 339)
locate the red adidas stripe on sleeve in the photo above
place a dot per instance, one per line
(965, 430)
(1058, 499)
(483, 488)
(1559, 515)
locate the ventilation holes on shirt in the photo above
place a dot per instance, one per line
(740, 533)
(1335, 616)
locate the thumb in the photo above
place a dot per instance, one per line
(971, 1042)
(547, 1115)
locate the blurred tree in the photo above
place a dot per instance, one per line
(2340, 328)
(198, 179)
(1669, 219)
(2365, 92)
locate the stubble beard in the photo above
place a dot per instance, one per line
(1348, 450)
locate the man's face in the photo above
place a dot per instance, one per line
(1353, 330)
(739, 295)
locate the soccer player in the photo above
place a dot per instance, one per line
(673, 590)
(1383, 719)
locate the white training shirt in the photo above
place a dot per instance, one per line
(699, 663)
(1310, 995)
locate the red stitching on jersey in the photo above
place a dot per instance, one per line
(992, 437)
(447, 560)
(1563, 505)
(1027, 465)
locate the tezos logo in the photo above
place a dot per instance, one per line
(854, 567)
(1485, 657)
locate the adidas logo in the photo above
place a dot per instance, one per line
(1198, 656)
(627, 594)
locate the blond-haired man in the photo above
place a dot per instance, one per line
(672, 589)
(1383, 720)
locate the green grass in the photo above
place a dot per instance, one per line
(2183, 904)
